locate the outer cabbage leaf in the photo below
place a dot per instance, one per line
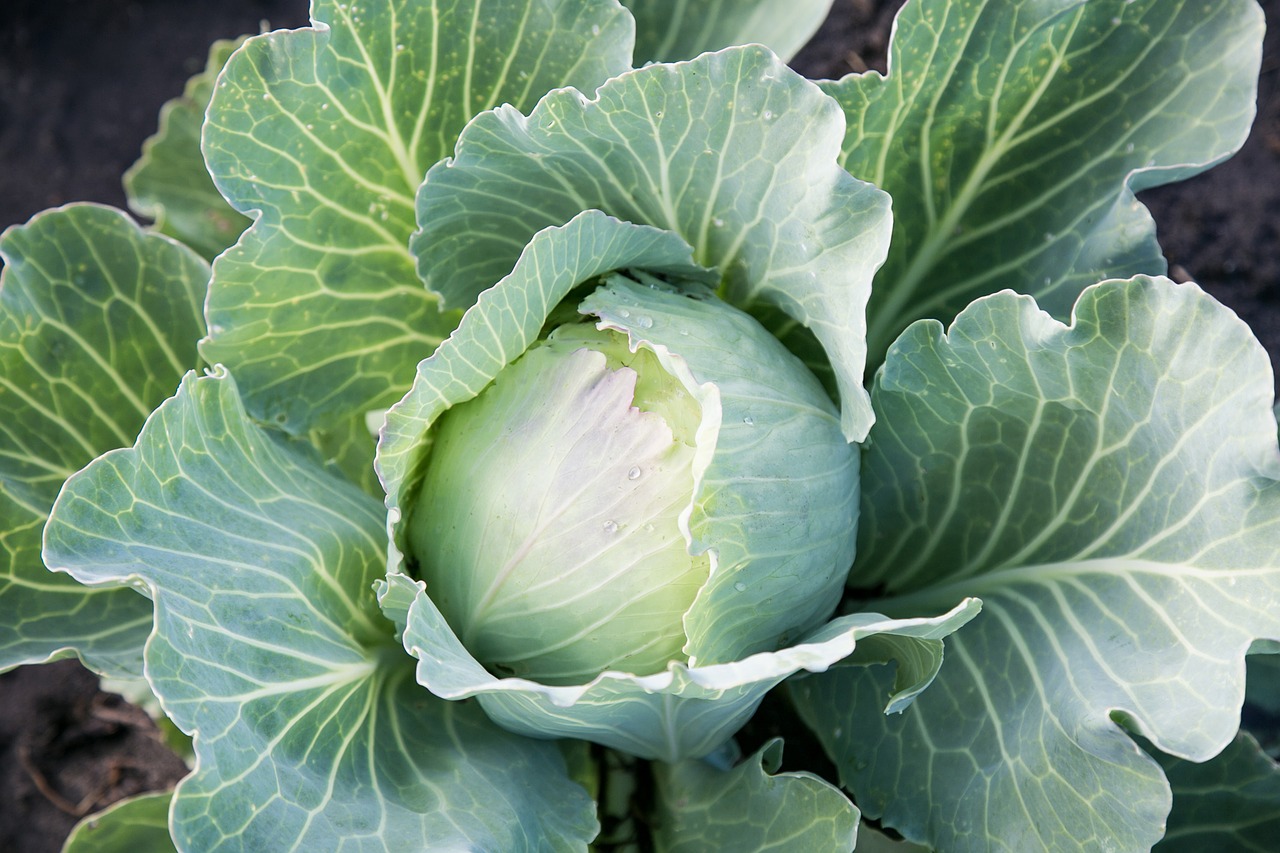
(310, 732)
(1012, 136)
(667, 31)
(687, 710)
(1263, 684)
(170, 184)
(684, 712)
(136, 825)
(1231, 802)
(732, 151)
(326, 133)
(750, 807)
(98, 322)
(348, 447)
(1109, 490)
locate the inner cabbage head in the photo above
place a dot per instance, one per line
(548, 525)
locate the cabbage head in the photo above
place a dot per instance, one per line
(623, 515)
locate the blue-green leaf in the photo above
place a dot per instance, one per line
(324, 134)
(98, 322)
(1230, 802)
(749, 807)
(310, 731)
(1109, 490)
(1013, 134)
(170, 184)
(669, 30)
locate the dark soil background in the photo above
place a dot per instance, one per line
(81, 84)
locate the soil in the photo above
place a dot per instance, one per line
(80, 87)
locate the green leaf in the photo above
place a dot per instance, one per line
(733, 151)
(750, 807)
(871, 841)
(1230, 802)
(98, 322)
(136, 825)
(170, 184)
(667, 31)
(328, 132)
(683, 712)
(1264, 682)
(348, 447)
(1108, 489)
(1012, 136)
(310, 733)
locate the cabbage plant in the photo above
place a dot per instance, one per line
(517, 442)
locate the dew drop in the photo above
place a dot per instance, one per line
(749, 421)
(644, 322)
(611, 526)
(624, 313)
(400, 47)
(837, 732)
(768, 115)
(595, 29)
(718, 222)
(1128, 149)
(634, 473)
(740, 586)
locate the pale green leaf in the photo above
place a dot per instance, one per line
(682, 712)
(872, 841)
(98, 322)
(136, 825)
(170, 184)
(775, 492)
(1012, 136)
(1108, 490)
(310, 732)
(749, 807)
(327, 132)
(733, 151)
(668, 30)
(1230, 802)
